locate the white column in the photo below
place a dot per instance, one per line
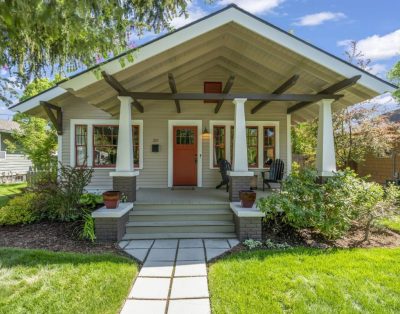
(124, 167)
(240, 162)
(289, 144)
(326, 161)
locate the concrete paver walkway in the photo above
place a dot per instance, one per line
(173, 279)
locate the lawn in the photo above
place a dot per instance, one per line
(9, 190)
(307, 281)
(36, 281)
(393, 223)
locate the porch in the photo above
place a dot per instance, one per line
(187, 196)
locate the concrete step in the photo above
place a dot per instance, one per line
(180, 226)
(173, 235)
(180, 206)
(180, 215)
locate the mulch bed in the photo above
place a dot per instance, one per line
(54, 236)
(379, 237)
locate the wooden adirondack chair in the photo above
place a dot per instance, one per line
(224, 167)
(274, 175)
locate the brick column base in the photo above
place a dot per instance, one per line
(110, 229)
(237, 183)
(126, 185)
(248, 228)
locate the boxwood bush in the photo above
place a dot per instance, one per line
(19, 210)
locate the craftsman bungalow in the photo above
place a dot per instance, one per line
(162, 115)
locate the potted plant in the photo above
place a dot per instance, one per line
(247, 198)
(111, 199)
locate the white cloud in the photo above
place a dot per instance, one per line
(319, 18)
(254, 6)
(378, 69)
(381, 47)
(195, 12)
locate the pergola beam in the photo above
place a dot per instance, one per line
(232, 96)
(120, 89)
(280, 90)
(172, 86)
(337, 87)
(226, 90)
(56, 119)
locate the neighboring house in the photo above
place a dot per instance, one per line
(13, 165)
(229, 85)
(381, 169)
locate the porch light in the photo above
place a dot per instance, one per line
(205, 135)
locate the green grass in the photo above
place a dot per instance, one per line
(393, 223)
(9, 190)
(37, 281)
(307, 281)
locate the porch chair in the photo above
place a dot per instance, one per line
(224, 167)
(275, 174)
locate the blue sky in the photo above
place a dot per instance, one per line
(328, 24)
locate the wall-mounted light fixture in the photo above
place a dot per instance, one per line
(205, 135)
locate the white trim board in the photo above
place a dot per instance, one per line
(259, 124)
(171, 124)
(90, 123)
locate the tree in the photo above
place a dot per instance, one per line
(59, 34)
(394, 75)
(36, 137)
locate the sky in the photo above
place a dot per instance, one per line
(328, 24)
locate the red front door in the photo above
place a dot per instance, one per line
(185, 155)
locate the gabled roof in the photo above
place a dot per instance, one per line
(229, 14)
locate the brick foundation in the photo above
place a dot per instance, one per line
(248, 228)
(126, 185)
(237, 183)
(110, 229)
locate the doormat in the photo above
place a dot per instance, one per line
(177, 188)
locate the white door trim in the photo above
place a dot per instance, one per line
(199, 125)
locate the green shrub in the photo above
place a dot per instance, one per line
(332, 207)
(19, 210)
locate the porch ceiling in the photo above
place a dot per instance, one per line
(258, 64)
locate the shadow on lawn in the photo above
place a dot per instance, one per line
(10, 257)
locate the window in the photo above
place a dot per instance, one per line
(252, 146)
(81, 145)
(269, 144)
(105, 141)
(219, 144)
(185, 136)
(212, 88)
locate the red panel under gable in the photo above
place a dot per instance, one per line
(214, 88)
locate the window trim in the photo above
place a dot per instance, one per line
(259, 124)
(75, 145)
(257, 146)
(212, 151)
(263, 139)
(94, 146)
(103, 122)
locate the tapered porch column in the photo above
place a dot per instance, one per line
(326, 160)
(124, 176)
(240, 176)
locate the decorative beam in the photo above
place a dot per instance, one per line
(218, 96)
(280, 90)
(56, 119)
(172, 86)
(330, 90)
(120, 89)
(226, 90)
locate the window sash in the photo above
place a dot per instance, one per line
(81, 141)
(269, 144)
(219, 142)
(252, 145)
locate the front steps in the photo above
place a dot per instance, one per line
(180, 221)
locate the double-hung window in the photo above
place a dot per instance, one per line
(81, 152)
(219, 144)
(105, 142)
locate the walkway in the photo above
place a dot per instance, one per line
(173, 278)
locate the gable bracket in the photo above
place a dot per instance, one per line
(280, 90)
(56, 119)
(117, 86)
(337, 87)
(227, 89)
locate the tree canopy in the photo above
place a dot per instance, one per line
(69, 34)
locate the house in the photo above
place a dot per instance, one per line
(156, 119)
(13, 165)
